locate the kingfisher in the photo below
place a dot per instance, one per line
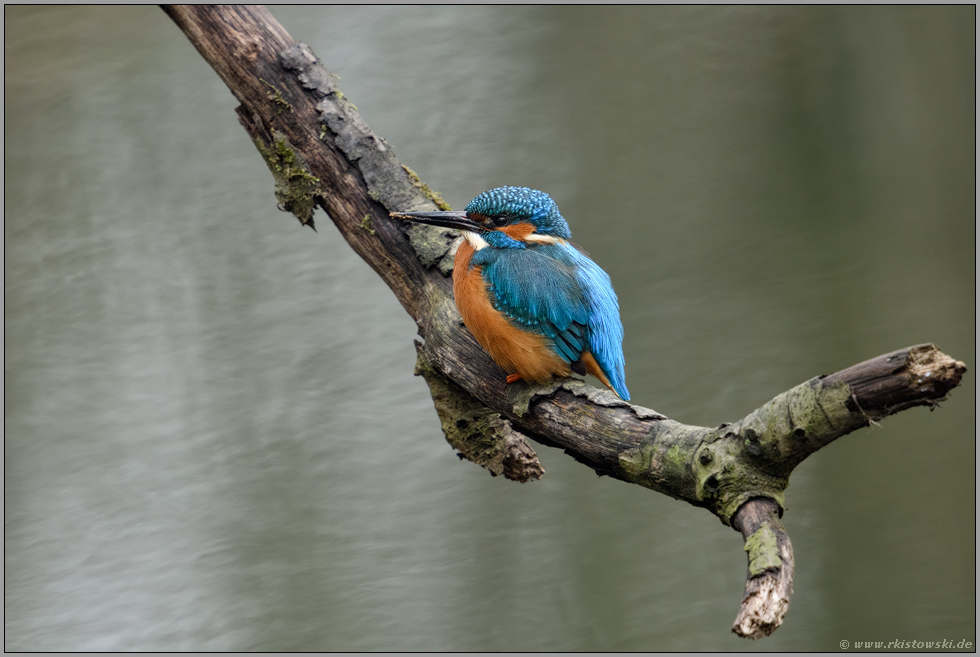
(535, 302)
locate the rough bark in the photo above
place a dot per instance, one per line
(321, 153)
(769, 580)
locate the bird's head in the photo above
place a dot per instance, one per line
(505, 217)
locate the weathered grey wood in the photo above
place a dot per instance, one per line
(915, 376)
(321, 153)
(769, 576)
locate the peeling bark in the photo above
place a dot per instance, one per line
(322, 153)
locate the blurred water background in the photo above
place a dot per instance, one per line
(213, 438)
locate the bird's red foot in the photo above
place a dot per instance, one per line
(511, 378)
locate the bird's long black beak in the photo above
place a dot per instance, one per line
(454, 220)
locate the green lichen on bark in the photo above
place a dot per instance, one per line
(476, 432)
(788, 428)
(722, 469)
(676, 459)
(434, 246)
(763, 550)
(755, 456)
(433, 196)
(635, 463)
(277, 98)
(296, 188)
(727, 475)
(663, 461)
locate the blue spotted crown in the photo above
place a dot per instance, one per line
(523, 204)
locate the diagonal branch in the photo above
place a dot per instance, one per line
(321, 152)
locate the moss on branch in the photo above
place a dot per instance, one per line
(476, 432)
(296, 188)
(763, 551)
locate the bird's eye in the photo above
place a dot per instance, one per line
(499, 221)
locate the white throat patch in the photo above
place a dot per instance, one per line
(475, 240)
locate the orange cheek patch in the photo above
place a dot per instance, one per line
(518, 231)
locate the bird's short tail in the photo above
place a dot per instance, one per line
(592, 367)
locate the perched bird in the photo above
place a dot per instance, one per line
(538, 305)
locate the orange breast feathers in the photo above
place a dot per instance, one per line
(516, 351)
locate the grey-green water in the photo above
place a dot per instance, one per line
(195, 455)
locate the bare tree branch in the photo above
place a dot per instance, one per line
(769, 582)
(321, 152)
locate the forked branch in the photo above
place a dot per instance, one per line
(321, 152)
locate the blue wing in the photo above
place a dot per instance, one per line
(540, 294)
(605, 326)
(556, 291)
